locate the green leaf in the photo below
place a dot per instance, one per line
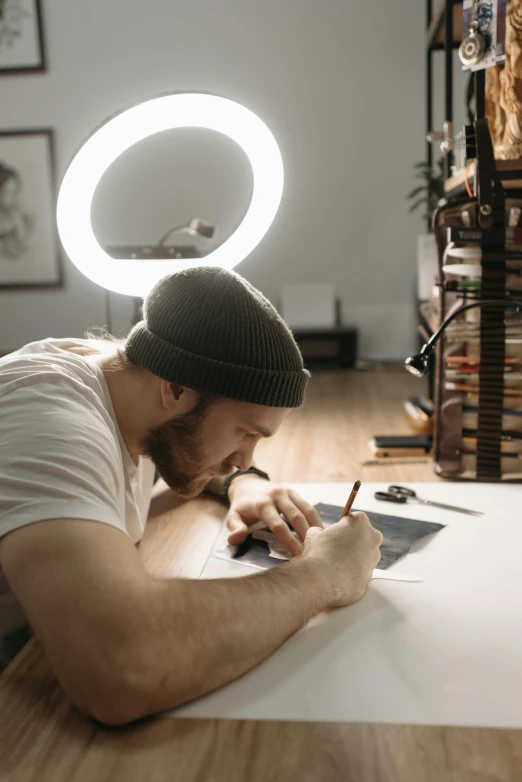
(417, 204)
(430, 183)
(416, 191)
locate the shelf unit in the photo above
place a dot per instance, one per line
(444, 32)
(483, 332)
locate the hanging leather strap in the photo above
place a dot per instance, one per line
(491, 217)
(490, 193)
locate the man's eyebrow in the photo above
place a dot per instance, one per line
(262, 431)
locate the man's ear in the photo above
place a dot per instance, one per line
(170, 394)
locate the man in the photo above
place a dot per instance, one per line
(210, 370)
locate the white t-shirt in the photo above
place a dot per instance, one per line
(61, 452)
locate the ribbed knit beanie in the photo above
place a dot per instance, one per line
(208, 329)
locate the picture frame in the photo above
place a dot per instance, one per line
(22, 47)
(29, 249)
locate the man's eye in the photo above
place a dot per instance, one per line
(248, 435)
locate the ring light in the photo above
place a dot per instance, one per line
(199, 110)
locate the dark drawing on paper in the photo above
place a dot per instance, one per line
(262, 551)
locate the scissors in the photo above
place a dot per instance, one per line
(401, 495)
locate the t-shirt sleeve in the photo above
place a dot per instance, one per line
(59, 458)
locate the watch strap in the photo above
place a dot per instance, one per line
(250, 471)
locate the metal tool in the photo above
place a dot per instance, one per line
(474, 46)
(401, 495)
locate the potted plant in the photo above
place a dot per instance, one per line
(429, 193)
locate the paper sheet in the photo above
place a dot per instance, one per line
(443, 652)
(262, 550)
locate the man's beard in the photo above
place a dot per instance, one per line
(176, 448)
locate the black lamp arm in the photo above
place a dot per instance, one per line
(484, 303)
(418, 364)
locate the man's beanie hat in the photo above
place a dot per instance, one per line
(208, 329)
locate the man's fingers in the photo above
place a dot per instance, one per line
(281, 530)
(358, 515)
(294, 517)
(238, 528)
(310, 513)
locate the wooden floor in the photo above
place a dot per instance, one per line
(327, 439)
(43, 738)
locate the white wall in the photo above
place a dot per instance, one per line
(339, 82)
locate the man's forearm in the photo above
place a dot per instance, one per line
(199, 635)
(217, 486)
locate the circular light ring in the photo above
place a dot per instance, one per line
(199, 110)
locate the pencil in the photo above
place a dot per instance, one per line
(351, 499)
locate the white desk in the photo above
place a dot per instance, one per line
(445, 651)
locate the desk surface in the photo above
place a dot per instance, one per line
(443, 651)
(43, 738)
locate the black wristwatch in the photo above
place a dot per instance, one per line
(250, 471)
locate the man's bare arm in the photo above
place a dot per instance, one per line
(125, 645)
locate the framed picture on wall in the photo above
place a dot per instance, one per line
(21, 36)
(29, 254)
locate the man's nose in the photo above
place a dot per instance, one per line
(242, 458)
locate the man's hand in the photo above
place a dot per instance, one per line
(253, 500)
(345, 554)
